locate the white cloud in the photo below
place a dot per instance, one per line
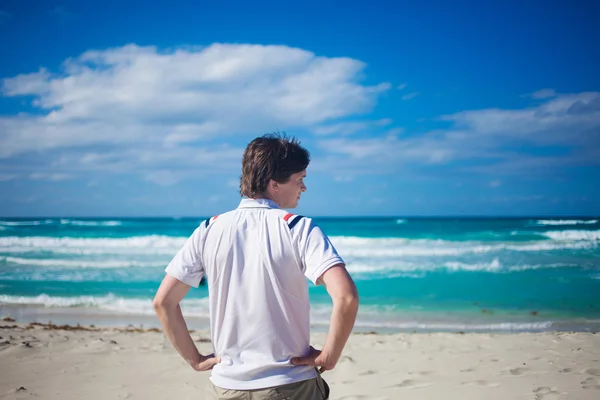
(134, 94)
(495, 184)
(7, 177)
(492, 140)
(54, 177)
(390, 148)
(550, 123)
(410, 96)
(543, 94)
(347, 128)
(401, 86)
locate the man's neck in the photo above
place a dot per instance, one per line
(266, 196)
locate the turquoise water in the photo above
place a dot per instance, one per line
(526, 274)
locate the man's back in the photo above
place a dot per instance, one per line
(256, 265)
(257, 259)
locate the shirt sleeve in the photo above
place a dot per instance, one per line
(316, 251)
(186, 265)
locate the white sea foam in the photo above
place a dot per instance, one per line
(591, 236)
(433, 326)
(110, 302)
(493, 266)
(26, 223)
(89, 223)
(401, 221)
(40, 243)
(565, 221)
(136, 247)
(382, 317)
(389, 318)
(61, 263)
(397, 247)
(62, 276)
(391, 269)
(361, 269)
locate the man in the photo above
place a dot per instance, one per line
(256, 259)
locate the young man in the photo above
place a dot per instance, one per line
(256, 259)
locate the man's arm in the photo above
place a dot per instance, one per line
(344, 295)
(166, 304)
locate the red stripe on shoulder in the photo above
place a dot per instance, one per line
(287, 217)
(215, 217)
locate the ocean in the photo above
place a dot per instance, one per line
(413, 274)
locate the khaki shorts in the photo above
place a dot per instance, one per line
(312, 389)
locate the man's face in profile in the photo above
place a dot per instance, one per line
(288, 194)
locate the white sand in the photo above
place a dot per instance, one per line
(41, 363)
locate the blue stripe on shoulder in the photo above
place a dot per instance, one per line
(295, 221)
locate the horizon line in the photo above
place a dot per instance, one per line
(481, 216)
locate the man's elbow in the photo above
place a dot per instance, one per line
(169, 294)
(161, 304)
(349, 298)
(158, 305)
(353, 298)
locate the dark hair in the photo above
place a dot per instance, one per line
(271, 156)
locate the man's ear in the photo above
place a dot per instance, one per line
(273, 184)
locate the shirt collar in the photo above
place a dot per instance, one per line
(257, 203)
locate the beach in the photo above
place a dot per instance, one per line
(45, 361)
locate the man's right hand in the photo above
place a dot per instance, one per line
(206, 363)
(314, 358)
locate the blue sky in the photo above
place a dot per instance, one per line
(437, 108)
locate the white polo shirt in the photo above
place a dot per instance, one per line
(256, 268)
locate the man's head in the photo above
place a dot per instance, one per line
(274, 167)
